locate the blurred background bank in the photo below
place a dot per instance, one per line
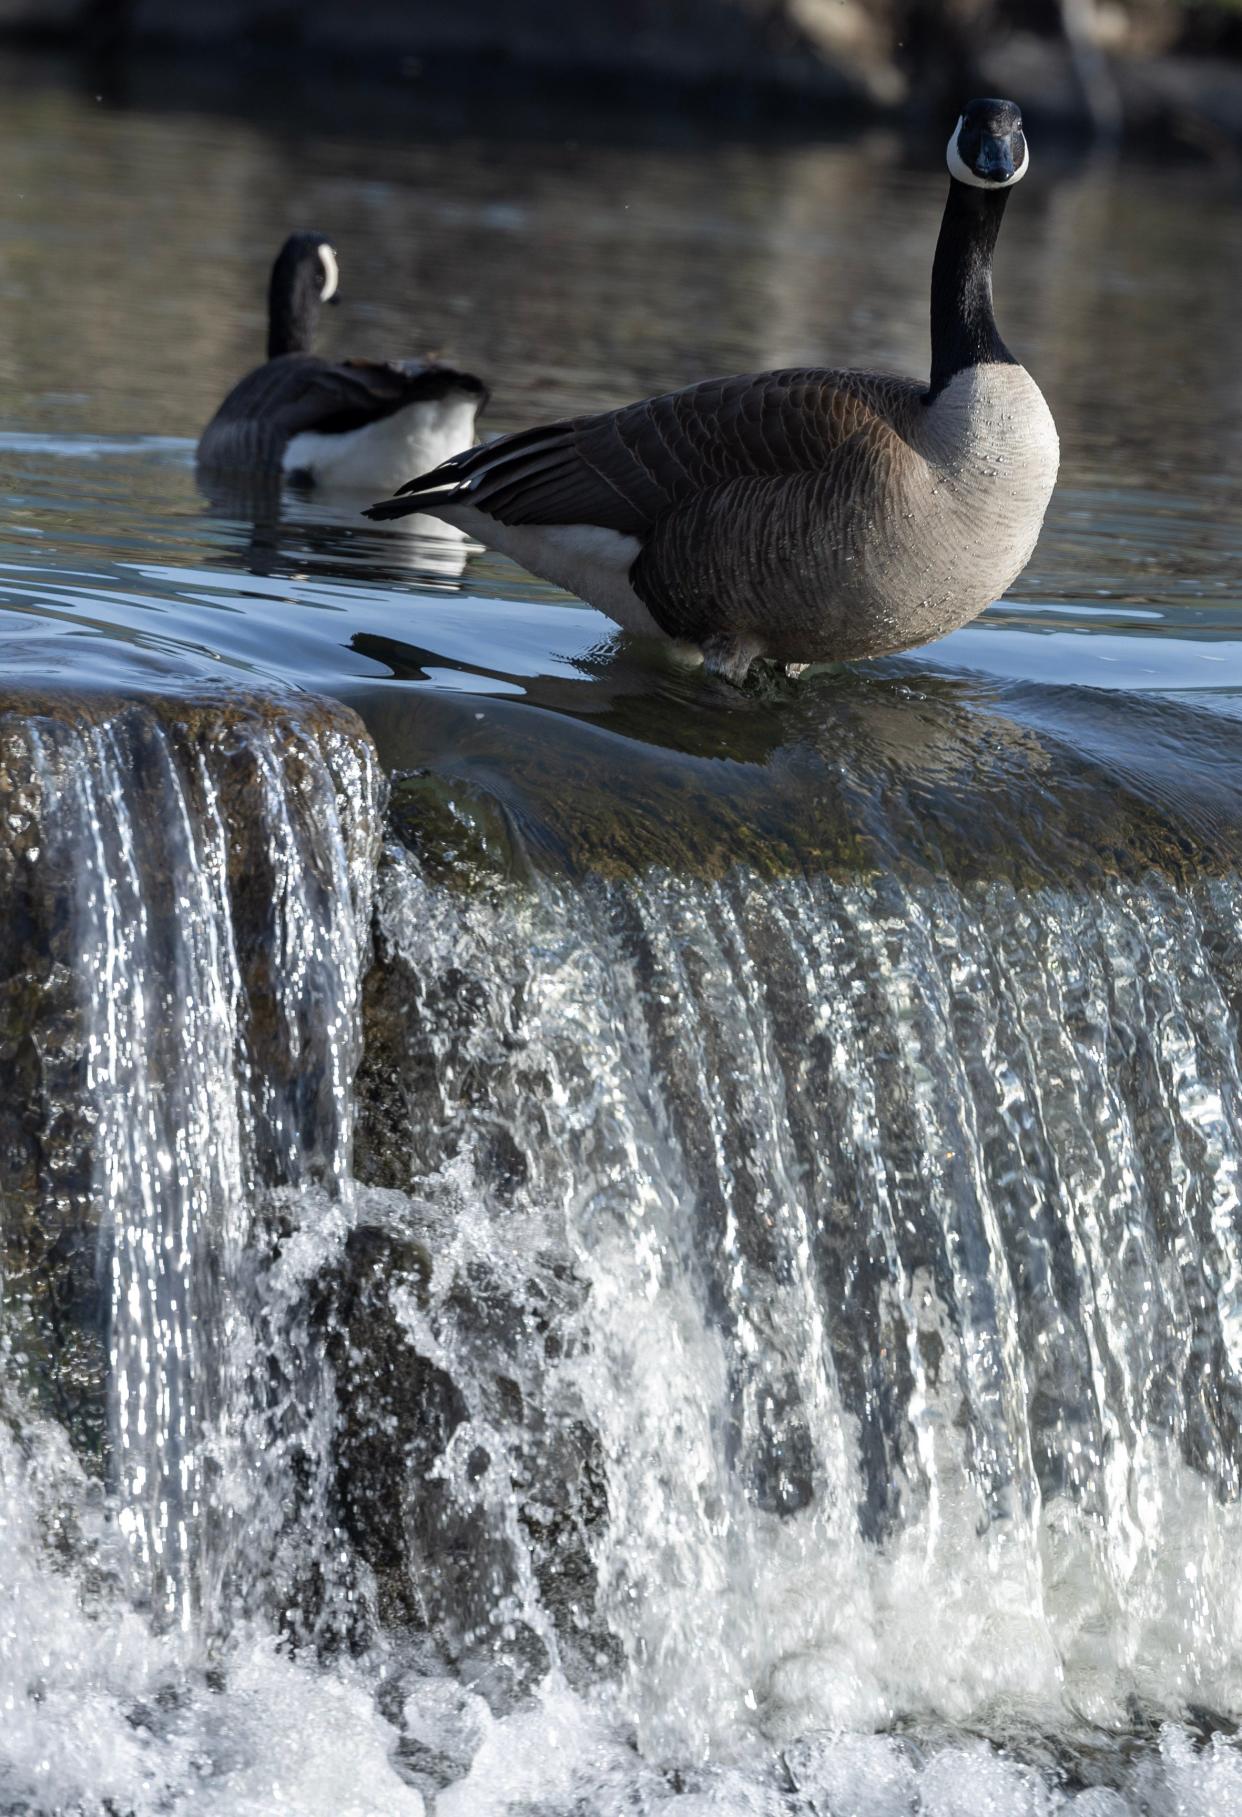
(1169, 69)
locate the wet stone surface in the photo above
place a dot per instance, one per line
(850, 774)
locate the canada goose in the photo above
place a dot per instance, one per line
(346, 423)
(805, 515)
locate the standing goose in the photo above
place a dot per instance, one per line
(810, 515)
(346, 423)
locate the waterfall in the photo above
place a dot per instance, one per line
(860, 1270)
(203, 890)
(480, 1338)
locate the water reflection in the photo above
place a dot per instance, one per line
(891, 770)
(288, 531)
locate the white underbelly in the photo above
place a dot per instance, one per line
(384, 455)
(585, 559)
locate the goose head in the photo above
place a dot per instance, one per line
(305, 275)
(987, 148)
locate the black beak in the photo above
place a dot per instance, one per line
(994, 162)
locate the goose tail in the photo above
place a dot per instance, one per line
(422, 494)
(474, 474)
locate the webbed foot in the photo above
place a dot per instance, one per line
(731, 656)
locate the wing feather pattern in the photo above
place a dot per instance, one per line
(628, 469)
(711, 563)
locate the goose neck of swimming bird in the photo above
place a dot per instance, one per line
(293, 309)
(963, 327)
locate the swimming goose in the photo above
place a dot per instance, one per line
(810, 515)
(342, 423)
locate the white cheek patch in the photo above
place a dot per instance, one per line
(961, 170)
(331, 273)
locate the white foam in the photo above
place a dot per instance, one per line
(97, 1713)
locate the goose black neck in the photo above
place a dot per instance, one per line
(963, 328)
(292, 307)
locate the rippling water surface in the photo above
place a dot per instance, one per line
(776, 1346)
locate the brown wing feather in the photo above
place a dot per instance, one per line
(627, 469)
(746, 557)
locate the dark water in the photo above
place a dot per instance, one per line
(800, 1131)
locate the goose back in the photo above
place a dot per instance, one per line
(625, 470)
(300, 394)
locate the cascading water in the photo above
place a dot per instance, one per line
(780, 1352)
(191, 889)
(186, 1123)
(902, 1224)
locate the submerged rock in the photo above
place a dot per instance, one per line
(452, 1480)
(850, 774)
(398, 1411)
